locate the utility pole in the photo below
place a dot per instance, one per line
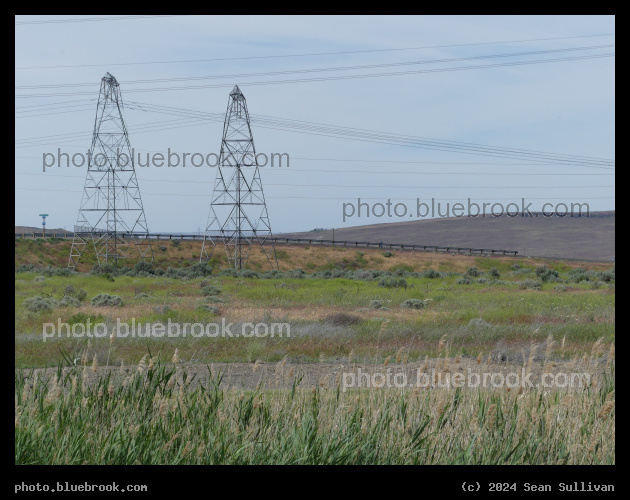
(111, 214)
(43, 216)
(238, 212)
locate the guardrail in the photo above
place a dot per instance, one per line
(288, 241)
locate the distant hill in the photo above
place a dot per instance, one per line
(589, 238)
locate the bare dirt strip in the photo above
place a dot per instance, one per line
(427, 374)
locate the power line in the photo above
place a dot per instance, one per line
(52, 103)
(356, 186)
(383, 162)
(314, 70)
(329, 159)
(315, 54)
(322, 198)
(28, 113)
(433, 163)
(382, 172)
(292, 126)
(313, 128)
(439, 187)
(139, 126)
(57, 113)
(142, 129)
(350, 133)
(338, 77)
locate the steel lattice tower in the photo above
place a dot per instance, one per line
(238, 213)
(111, 214)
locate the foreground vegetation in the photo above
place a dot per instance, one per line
(104, 406)
(149, 417)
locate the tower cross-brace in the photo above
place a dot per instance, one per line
(238, 213)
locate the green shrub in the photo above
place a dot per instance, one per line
(144, 266)
(530, 285)
(473, 272)
(431, 273)
(545, 273)
(501, 283)
(363, 275)
(388, 254)
(413, 304)
(393, 282)
(296, 273)
(494, 272)
(522, 271)
(196, 270)
(69, 301)
(360, 260)
(105, 299)
(40, 304)
(248, 273)
(25, 268)
(210, 290)
(376, 304)
(462, 281)
(80, 294)
(232, 273)
(214, 299)
(274, 273)
(579, 278)
(208, 308)
(102, 269)
(57, 271)
(549, 275)
(402, 270)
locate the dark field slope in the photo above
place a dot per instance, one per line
(589, 238)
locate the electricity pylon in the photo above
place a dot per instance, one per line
(111, 214)
(238, 213)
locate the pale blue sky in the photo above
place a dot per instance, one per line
(564, 107)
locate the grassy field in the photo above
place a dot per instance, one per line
(180, 253)
(149, 417)
(492, 313)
